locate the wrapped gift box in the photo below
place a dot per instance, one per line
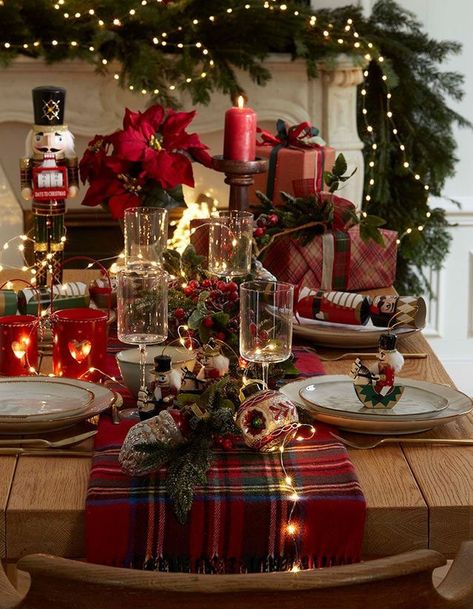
(291, 157)
(8, 302)
(70, 295)
(334, 261)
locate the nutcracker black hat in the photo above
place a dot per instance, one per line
(162, 363)
(48, 105)
(387, 342)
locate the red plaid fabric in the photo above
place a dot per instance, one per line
(237, 521)
(356, 265)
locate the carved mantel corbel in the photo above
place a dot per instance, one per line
(339, 117)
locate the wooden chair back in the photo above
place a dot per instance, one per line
(400, 582)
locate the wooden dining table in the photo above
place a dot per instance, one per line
(417, 496)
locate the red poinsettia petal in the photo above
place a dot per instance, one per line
(116, 165)
(118, 203)
(181, 170)
(96, 193)
(169, 169)
(182, 141)
(130, 144)
(154, 116)
(177, 122)
(131, 119)
(93, 158)
(201, 156)
(147, 130)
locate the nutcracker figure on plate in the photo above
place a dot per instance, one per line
(48, 177)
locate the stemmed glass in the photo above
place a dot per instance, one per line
(266, 310)
(230, 238)
(142, 310)
(142, 291)
(146, 234)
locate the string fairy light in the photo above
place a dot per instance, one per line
(346, 37)
(293, 527)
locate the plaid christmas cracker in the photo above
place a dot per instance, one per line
(334, 261)
(237, 521)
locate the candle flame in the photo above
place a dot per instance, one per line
(241, 101)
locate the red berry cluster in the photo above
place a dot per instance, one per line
(264, 222)
(221, 293)
(222, 296)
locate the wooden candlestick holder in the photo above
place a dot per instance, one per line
(239, 175)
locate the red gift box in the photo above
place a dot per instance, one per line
(291, 157)
(335, 260)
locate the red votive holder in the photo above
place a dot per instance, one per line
(18, 344)
(79, 341)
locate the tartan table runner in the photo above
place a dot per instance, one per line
(237, 521)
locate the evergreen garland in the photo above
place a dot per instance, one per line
(242, 38)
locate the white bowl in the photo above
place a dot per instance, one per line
(128, 362)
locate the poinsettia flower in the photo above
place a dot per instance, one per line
(254, 422)
(91, 163)
(158, 140)
(116, 187)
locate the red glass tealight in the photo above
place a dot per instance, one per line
(79, 341)
(18, 344)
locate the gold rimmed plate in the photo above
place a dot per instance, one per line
(103, 399)
(41, 398)
(457, 404)
(344, 336)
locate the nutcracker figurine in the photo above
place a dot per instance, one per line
(48, 177)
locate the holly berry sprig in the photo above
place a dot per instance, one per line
(210, 308)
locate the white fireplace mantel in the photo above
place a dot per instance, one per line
(95, 104)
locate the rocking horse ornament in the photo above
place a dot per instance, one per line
(375, 386)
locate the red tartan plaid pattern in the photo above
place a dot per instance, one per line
(237, 521)
(361, 266)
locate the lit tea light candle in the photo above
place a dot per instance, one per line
(240, 133)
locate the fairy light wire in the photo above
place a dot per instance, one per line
(346, 36)
(292, 528)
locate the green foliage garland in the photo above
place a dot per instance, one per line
(232, 36)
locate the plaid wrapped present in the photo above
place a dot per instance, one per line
(200, 235)
(291, 156)
(237, 521)
(336, 260)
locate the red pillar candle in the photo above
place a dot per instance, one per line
(18, 344)
(239, 142)
(79, 341)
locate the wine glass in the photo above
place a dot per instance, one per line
(230, 238)
(146, 234)
(266, 310)
(142, 310)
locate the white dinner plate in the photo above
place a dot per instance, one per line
(458, 404)
(336, 393)
(102, 400)
(344, 336)
(41, 398)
